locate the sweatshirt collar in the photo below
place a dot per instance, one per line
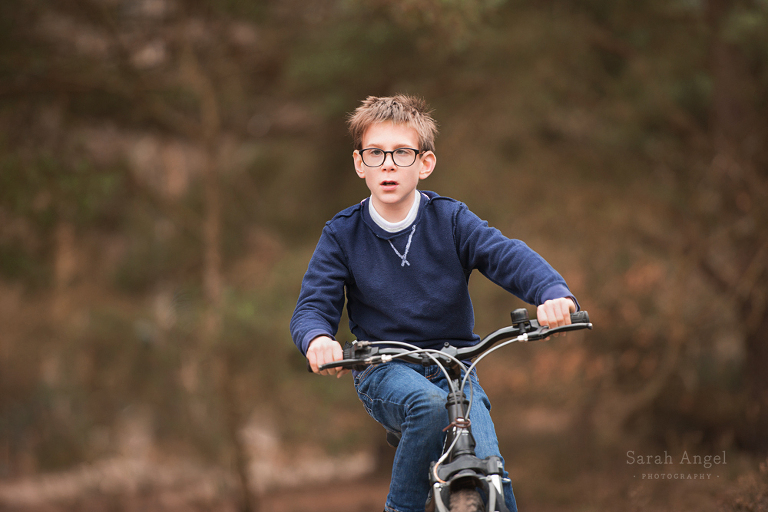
(425, 197)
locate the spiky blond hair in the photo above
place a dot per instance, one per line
(399, 109)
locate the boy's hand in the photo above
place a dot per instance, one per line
(324, 350)
(556, 312)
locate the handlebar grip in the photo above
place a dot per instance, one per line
(580, 317)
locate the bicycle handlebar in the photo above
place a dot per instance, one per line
(358, 355)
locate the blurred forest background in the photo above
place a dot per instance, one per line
(166, 167)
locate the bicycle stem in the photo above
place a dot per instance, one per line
(459, 425)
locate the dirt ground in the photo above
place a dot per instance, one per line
(673, 489)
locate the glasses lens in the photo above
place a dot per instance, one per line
(404, 157)
(373, 157)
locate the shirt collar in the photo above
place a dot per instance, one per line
(394, 227)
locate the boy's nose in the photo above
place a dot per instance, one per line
(391, 158)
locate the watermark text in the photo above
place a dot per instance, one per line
(648, 464)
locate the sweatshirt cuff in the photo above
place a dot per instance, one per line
(311, 335)
(559, 291)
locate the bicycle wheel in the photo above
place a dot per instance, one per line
(466, 500)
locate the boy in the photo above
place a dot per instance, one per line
(403, 258)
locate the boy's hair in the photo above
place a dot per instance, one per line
(399, 109)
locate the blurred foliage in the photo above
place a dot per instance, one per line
(585, 128)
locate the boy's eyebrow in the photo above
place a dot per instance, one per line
(380, 146)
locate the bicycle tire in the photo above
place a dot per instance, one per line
(466, 500)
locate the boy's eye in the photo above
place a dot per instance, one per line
(375, 152)
(403, 152)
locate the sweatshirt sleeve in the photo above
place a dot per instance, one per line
(321, 300)
(509, 263)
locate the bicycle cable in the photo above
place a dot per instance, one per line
(428, 352)
(522, 337)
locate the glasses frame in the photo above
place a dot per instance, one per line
(392, 156)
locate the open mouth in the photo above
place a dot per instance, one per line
(388, 183)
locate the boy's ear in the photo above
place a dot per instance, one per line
(428, 162)
(358, 163)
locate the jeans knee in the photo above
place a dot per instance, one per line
(430, 408)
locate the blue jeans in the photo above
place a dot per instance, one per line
(410, 399)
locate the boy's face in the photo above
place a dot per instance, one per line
(391, 185)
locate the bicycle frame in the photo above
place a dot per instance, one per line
(458, 467)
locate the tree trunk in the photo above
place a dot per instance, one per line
(65, 267)
(248, 500)
(210, 119)
(210, 122)
(212, 248)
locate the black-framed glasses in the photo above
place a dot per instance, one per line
(402, 157)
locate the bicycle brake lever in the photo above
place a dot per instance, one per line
(356, 356)
(542, 332)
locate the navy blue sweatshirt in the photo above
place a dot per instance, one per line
(412, 285)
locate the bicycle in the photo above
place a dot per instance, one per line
(458, 474)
